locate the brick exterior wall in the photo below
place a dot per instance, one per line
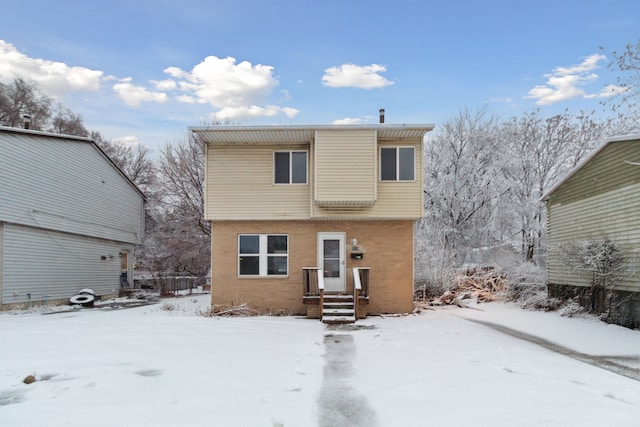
(389, 255)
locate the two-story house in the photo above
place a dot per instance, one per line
(314, 220)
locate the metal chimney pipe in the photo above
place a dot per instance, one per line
(26, 120)
(382, 115)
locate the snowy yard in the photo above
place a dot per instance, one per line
(149, 366)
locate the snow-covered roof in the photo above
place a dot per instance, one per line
(587, 159)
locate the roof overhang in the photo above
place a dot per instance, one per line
(298, 134)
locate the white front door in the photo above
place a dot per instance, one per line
(331, 253)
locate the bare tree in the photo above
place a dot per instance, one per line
(625, 99)
(464, 194)
(464, 180)
(134, 160)
(181, 170)
(178, 237)
(68, 123)
(541, 151)
(21, 98)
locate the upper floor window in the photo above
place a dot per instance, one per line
(397, 164)
(263, 254)
(290, 167)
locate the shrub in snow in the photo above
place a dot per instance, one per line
(571, 308)
(167, 306)
(435, 273)
(604, 263)
(541, 301)
(525, 281)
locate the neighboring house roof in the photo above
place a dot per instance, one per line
(272, 135)
(586, 160)
(73, 138)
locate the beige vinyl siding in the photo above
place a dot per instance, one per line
(402, 199)
(614, 214)
(345, 171)
(240, 181)
(394, 199)
(240, 185)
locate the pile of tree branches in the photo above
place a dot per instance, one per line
(240, 310)
(482, 284)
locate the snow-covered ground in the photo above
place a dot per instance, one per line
(162, 365)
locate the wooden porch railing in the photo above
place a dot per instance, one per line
(311, 280)
(361, 276)
(313, 284)
(360, 286)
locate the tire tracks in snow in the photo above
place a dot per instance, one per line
(607, 362)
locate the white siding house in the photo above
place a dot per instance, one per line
(69, 218)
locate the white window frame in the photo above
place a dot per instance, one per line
(306, 167)
(263, 255)
(397, 149)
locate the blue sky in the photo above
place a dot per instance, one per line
(146, 70)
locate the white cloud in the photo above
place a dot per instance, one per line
(237, 90)
(252, 112)
(567, 82)
(186, 99)
(165, 85)
(612, 90)
(54, 78)
(128, 140)
(135, 95)
(358, 76)
(222, 83)
(175, 72)
(347, 121)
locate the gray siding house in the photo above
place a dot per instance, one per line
(69, 219)
(598, 201)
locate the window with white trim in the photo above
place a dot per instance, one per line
(290, 167)
(397, 164)
(263, 254)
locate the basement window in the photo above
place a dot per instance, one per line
(397, 164)
(263, 254)
(290, 167)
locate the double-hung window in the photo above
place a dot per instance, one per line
(290, 167)
(263, 254)
(397, 164)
